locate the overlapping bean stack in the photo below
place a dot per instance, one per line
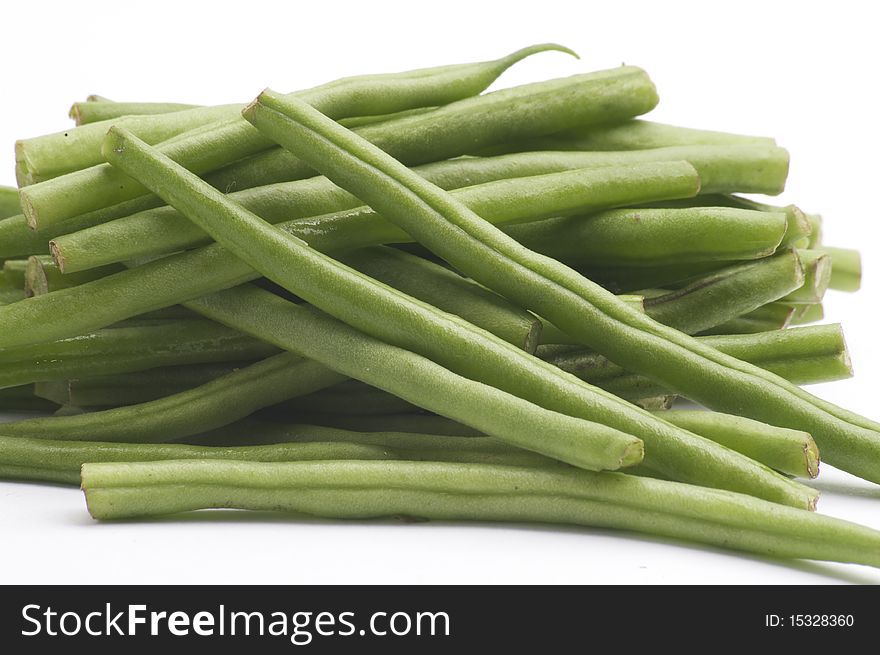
(397, 295)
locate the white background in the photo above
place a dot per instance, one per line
(805, 73)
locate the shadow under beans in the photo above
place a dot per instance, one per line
(821, 571)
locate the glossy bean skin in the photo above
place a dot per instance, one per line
(556, 292)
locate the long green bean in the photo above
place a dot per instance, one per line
(651, 237)
(93, 111)
(713, 300)
(559, 294)
(639, 134)
(384, 312)
(53, 460)
(128, 349)
(804, 355)
(213, 404)
(477, 492)
(49, 156)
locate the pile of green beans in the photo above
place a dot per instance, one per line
(399, 295)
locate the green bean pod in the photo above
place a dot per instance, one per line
(710, 301)
(51, 460)
(804, 314)
(817, 277)
(477, 492)
(652, 237)
(556, 292)
(94, 111)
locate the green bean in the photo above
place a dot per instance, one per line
(52, 460)
(161, 230)
(224, 137)
(360, 121)
(846, 268)
(22, 398)
(443, 491)
(651, 237)
(804, 355)
(559, 294)
(772, 316)
(195, 273)
(42, 275)
(799, 225)
(386, 313)
(817, 276)
(101, 110)
(132, 388)
(14, 273)
(631, 279)
(788, 451)
(814, 238)
(128, 349)
(638, 135)
(213, 404)
(713, 300)
(9, 205)
(448, 291)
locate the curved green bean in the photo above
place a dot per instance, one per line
(226, 138)
(556, 292)
(477, 492)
